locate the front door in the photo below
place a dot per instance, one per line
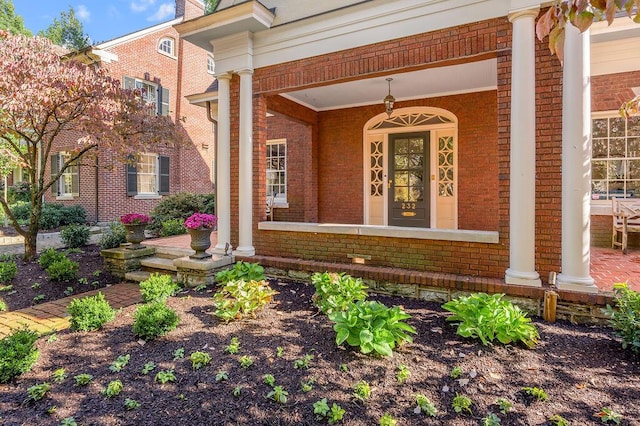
(409, 180)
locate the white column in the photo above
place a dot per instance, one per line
(576, 164)
(223, 165)
(522, 189)
(245, 177)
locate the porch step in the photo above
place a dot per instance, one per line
(158, 264)
(137, 276)
(172, 252)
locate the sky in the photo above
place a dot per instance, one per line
(102, 19)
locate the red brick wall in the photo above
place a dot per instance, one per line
(608, 92)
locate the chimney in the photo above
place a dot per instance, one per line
(189, 9)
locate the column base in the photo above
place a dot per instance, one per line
(583, 285)
(530, 279)
(245, 251)
(223, 249)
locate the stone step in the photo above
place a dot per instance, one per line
(137, 276)
(155, 263)
(172, 252)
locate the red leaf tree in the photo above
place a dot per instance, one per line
(44, 99)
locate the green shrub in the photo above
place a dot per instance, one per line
(3, 305)
(154, 320)
(158, 288)
(488, 317)
(19, 192)
(113, 236)
(75, 235)
(63, 270)
(173, 227)
(625, 318)
(17, 354)
(49, 256)
(180, 206)
(241, 271)
(90, 313)
(73, 215)
(334, 292)
(241, 298)
(372, 327)
(21, 210)
(51, 216)
(8, 271)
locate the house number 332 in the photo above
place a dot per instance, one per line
(408, 206)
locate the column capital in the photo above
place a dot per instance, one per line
(526, 13)
(245, 71)
(223, 76)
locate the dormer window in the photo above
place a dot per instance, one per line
(211, 65)
(167, 46)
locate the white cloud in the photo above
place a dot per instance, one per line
(165, 11)
(83, 13)
(141, 5)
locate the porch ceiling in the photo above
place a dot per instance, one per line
(431, 82)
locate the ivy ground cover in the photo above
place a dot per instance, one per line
(272, 369)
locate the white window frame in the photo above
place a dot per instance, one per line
(211, 64)
(149, 93)
(144, 160)
(65, 182)
(167, 47)
(279, 198)
(602, 205)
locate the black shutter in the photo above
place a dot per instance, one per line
(55, 168)
(132, 176)
(164, 175)
(129, 82)
(163, 101)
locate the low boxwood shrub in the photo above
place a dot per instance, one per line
(158, 288)
(63, 270)
(173, 227)
(372, 327)
(3, 305)
(489, 317)
(625, 317)
(8, 271)
(238, 299)
(241, 271)
(75, 235)
(17, 354)
(113, 236)
(48, 256)
(334, 292)
(90, 313)
(73, 215)
(154, 320)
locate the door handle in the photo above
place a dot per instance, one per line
(389, 183)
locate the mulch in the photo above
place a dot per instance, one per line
(582, 369)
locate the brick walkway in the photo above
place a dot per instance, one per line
(52, 316)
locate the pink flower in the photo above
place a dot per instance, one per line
(135, 219)
(201, 220)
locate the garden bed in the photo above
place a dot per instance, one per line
(32, 286)
(582, 369)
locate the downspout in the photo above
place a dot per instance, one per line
(97, 186)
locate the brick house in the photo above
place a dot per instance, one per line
(482, 167)
(159, 63)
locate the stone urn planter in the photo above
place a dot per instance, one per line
(135, 235)
(200, 242)
(200, 226)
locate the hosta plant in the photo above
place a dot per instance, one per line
(278, 394)
(625, 318)
(199, 359)
(425, 406)
(238, 299)
(372, 327)
(488, 317)
(113, 389)
(461, 403)
(334, 292)
(244, 271)
(37, 392)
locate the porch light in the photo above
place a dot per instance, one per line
(389, 100)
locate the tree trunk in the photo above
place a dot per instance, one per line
(30, 245)
(30, 239)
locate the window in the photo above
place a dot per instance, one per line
(166, 46)
(148, 175)
(211, 65)
(68, 184)
(615, 164)
(152, 93)
(277, 170)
